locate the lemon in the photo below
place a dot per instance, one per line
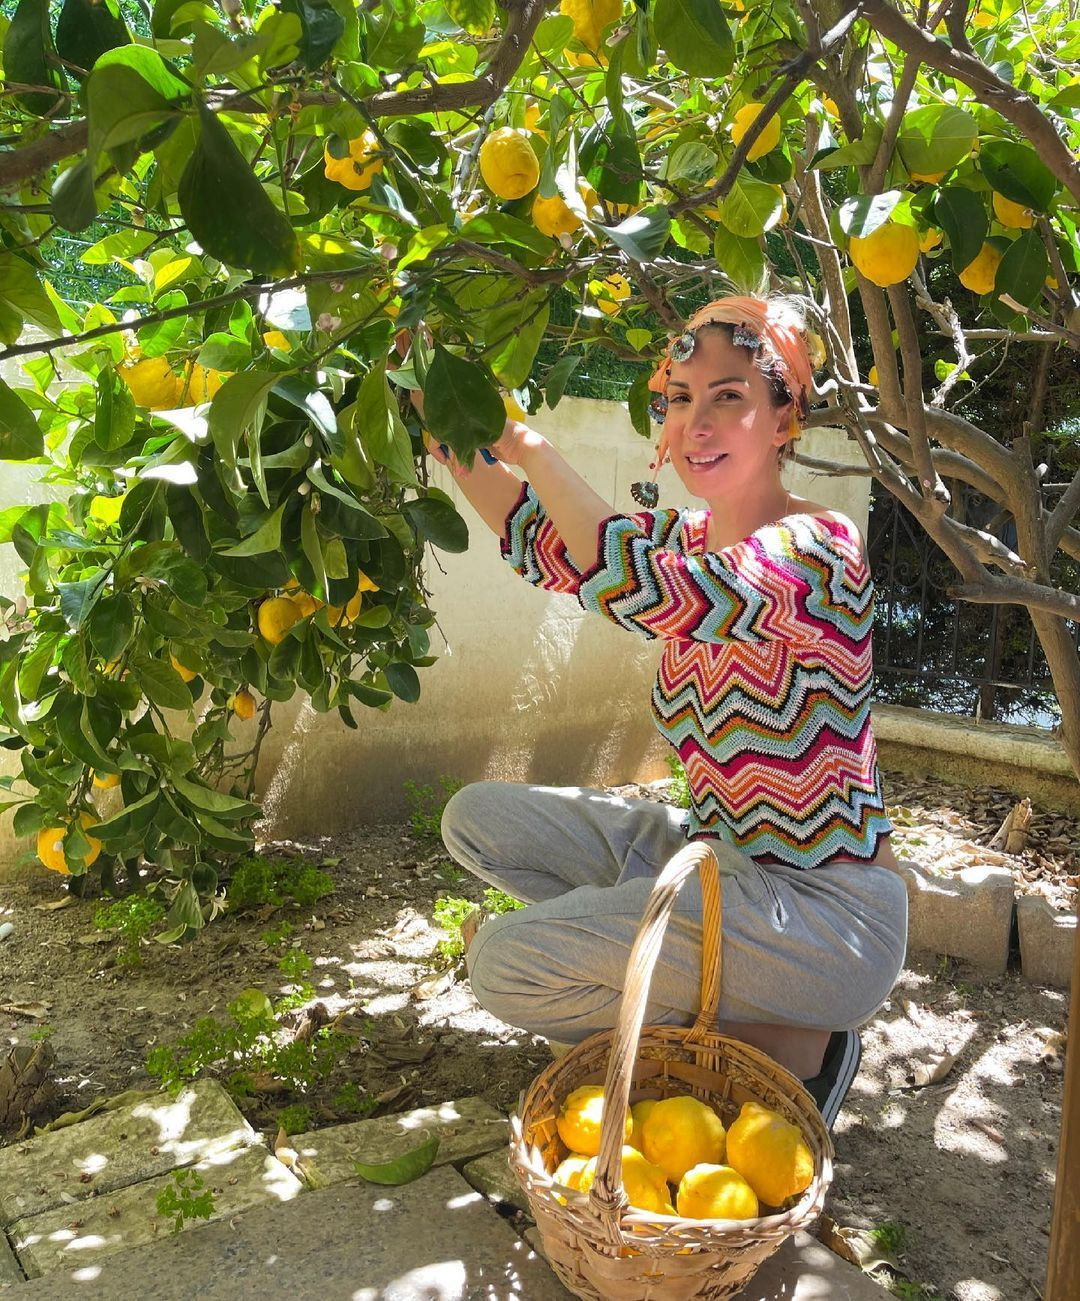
(199, 385)
(304, 602)
(645, 1185)
(50, 845)
(815, 347)
(514, 411)
(610, 293)
(831, 106)
(766, 142)
(554, 217)
(680, 1133)
(358, 167)
(187, 674)
(928, 178)
(568, 1172)
(872, 378)
(640, 1113)
(770, 1153)
(276, 616)
(349, 612)
(153, 383)
(979, 274)
(275, 339)
(715, 1192)
(107, 780)
(590, 18)
(578, 1121)
(931, 239)
(887, 255)
(243, 704)
(507, 163)
(1013, 215)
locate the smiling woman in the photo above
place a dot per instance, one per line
(764, 605)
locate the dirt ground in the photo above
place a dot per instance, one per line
(956, 1174)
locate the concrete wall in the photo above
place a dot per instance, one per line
(527, 687)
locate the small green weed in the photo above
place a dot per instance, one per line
(274, 937)
(450, 873)
(449, 913)
(177, 1201)
(351, 1097)
(890, 1236)
(426, 806)
(681, 791)
(295, 1119)
(294, 965)
(133, 918)
(260, 880)
(906, 1290)
(41, 1033)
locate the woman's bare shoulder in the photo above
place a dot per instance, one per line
(802, 506)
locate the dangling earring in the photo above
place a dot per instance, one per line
(646, 492)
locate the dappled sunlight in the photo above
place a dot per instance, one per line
(173, 1120)
(277, 787)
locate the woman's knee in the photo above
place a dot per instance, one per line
(464, 813)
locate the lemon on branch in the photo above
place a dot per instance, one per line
(610, 293)
(980, 273)
(50, 845)
(590, 18)
(243, 704)
(930, 239)
(1014, 216)
(554, 217)
(887, 255)
(507, 163)
(105, 781)
(276, 616)
(766, 142)
(187, 674)
(153, 383)
(352, 163)
(199, 384)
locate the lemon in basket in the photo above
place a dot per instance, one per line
(646, 1187)
(680, 1133)
(568, 1172)
(578, 1121)
(716, 1192)
(639, 1112)
(770, 1153)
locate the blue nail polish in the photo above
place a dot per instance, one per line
(491, 460)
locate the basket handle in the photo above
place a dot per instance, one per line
(606, 1195)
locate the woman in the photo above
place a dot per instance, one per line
(764, 604)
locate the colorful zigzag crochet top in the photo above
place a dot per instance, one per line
(764, 684)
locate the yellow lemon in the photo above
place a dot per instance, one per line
(243, 704)
(106, 780)
(568, 1172)
(153, 383)
(187, 674)
(276, 616)
(578, 1121)
(507, 163)
(872, 378)
(640, 1113)
(533, 112)
(275, 339)
(514, 411)
(1013, 215)
(815, 347)
(770, 1153)
(928, 178)
(646, 1187)
(554, 217)
(769, 138)
(982, 20)
(979, 274)
(715, 1192)
(887, 255)
(305, 603)
(353, 163)
(590, 18)
(831, 106)
(680, 1133)
(199, 385)
(610, 293)
(50, 845)
(577, 60)
(930, 239)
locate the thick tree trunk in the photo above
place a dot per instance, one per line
(1064, 664)
(25, 1088)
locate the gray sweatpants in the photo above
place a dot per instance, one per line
(818, 949)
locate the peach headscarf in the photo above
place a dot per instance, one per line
(778, 327)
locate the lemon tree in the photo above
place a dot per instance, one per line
(217, 226)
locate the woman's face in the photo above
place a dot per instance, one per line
(722, 428)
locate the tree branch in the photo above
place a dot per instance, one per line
(995, 590)
(1062, 514)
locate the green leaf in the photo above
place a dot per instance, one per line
(476, 16)
(72, 200)
(935, 138)
(395, 36)
(111, 625)
(513, 334)
(741, 260)
(642, 235)
(238, 407)
(267, 537)
(401, 1169)
(312, 548)
(862, 214)
(78, 599)
(114, 411)
(386, 440)
(129, 94)
(86, 30)
(437, 522)
(461, 407)
(609, 158)
(27, 47)
(1017, 172)
(859, 153)
(504, 228)
(228, 211)
(1021, 273)
(161, 683)
(20, 436)
(695, 36)
(637, 402)
(404, 681)
(212, 801)
(961, 214)
(559, 376)
(750, 207)
(23, 296)
(322, 27)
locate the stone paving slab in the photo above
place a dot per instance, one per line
(1047, 942)
(102, 1226)
(966, 914)
(435, 1239)
(10, 1273)
(467, 1127)
(117, 1148)
(491, 1175)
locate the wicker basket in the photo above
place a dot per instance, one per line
(601, 1248)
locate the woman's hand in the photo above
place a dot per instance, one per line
(515, 443)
